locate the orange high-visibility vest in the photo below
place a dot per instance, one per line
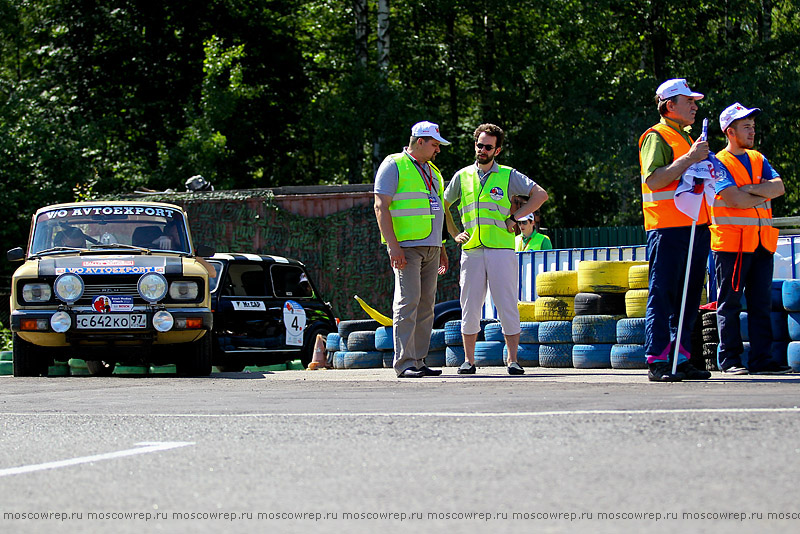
(659, 205)
(735, 229)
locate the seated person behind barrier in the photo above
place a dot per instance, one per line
(70, 237)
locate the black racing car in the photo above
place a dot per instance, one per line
(266, 311)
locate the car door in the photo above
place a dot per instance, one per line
(250, 321)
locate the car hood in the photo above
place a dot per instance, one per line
(110, 264)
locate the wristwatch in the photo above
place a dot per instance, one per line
(513, 219)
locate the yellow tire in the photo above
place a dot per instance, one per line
(604, 276)
(527, 311)
(638, 276)
(557, 283)
(636, 302)
(555, 309)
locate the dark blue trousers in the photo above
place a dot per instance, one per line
(755, 271)
(668, 249)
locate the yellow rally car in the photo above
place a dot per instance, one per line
(111, 283)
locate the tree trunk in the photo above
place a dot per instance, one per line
(383, 34)
(362, 27)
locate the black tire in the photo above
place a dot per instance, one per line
(630, 331)
(594, 329)
(346, 327)
(308, 347)
(710, 319)
(555, 355)
(710, 335)
(600, 304)
(361, 341)
(100, 367)
(28, 359)
(198, 361)
(555, 332)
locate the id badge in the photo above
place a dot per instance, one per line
(435, 205)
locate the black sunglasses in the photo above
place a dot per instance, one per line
(487, 147)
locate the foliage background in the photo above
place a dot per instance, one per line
(103, 97)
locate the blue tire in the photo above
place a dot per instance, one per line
(555, 355)
(591, 356)
(436, 358)
(452, 334)
(362, 359)
(793, 323)
(384, 339)
(332, 342)
(793, 356)
(780, 326)
(777, 294)
(527, 354)
(628, 357)
(489, 354)
(529, 333)
(555, 332)
(454, 356)
(338, 359)
(388, 359)
(437, 340)
(494, 332)
(592, 329)
(342, 344)
(630, 331)
(790, 295)
(360, 341)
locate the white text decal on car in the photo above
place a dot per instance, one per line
(249, 305)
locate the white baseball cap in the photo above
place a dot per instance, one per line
(428, 129)
(734, 112)
(528, 217)
(675, 87)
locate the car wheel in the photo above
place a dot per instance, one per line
(28, 359)
(198, 362)
(100, 367)
(308, 348)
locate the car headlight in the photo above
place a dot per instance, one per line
(183, 290)
(152, 287)
(68, 287)
(60, 322)
(163, 321)
(36, 292)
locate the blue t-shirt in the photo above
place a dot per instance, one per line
(767, 173)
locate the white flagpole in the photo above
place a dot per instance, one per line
(703, 136)
(683, 300)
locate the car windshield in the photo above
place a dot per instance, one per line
(113, 226)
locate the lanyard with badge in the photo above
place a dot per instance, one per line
(432, 197)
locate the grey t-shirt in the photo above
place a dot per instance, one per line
(518, 183)
(386, 180)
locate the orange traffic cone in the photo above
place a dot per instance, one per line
(320, 358)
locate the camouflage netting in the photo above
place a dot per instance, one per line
(342, 251)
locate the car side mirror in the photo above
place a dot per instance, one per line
(204, 251)
(15, 254)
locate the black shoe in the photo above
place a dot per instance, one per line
(427, 371)
(466, 369)
(693, 373)
(515, 369)
(772, 369)
(662, 372)
(411, 372)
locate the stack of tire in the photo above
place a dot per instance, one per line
(384, 342)
(780, 322)
(711, 338)
(790, 298)
(554, 310)
(611, 298)
(357, 346)
(488, 352)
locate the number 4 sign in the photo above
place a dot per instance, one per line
(294, 317)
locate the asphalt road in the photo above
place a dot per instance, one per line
(556, 450)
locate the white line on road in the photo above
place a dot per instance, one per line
(660, 411)
(143, 448)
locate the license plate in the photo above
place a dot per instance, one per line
(113, 321)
